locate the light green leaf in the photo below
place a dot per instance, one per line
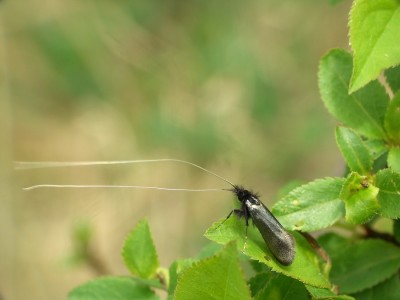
(388, 183)
(374, 37)
(364, 110)
(353, 150)
(112, 288)
(139, 252)
(325, 294)
(360, 198)
(393, 78)
(393, 159)
(283, 287)
(217, 277)
(305, 267)
(312, 206)
(387, 290)
(175, 269)
(392, 118)
(364, 264)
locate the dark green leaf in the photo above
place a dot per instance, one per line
(217, 277)
(259, 281)
(332, 242)
(283, 287)
(374, 33)
(112, 288)
(393, 159)
(393, 78)
(387, 290)
(354, 151)
(305, 267)
(364, 110)
(392, 119)
(364, 264)
(312, 206)
(388, 183)
(139, 252)
(396, 230)
(360, 198)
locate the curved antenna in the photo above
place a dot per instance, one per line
(20, 165)
(39, 186)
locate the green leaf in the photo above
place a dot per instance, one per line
(139, 252)
(360, 198)
(364, 264)
(364, 110)
(305, 267)
(392, 118)
(259, 281)
(388, 183)
(217, 277)
(374, 36)
(393, 78)
(376, 148)
(283, 287)
(393, 159)
(175, 269)
(353, 150)
(312, 206)
(112, 288)
(387, 290)
(321, 294)
(332, 242)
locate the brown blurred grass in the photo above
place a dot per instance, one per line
(228, 85)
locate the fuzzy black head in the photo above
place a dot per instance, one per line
(242, 194)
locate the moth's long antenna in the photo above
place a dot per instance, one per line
(33, 187)
(19, 165)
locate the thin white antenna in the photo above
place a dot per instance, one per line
(33, 187)
(23, 165)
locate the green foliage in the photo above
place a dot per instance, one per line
(139, 252)
(112, 288)
(312, 206)
(217, 277)
(392, 118)
(393, 159)
(363, 110)
(393, 78)
(388, 290)
(364, 263)
(360, 198)
(354, 151)
(388, 183)
(374, 28)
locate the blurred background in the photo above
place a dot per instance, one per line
(229, 85)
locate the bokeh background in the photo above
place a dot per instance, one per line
(229, 85)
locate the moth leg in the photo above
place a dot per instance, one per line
(246, 235)
(237, 212)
